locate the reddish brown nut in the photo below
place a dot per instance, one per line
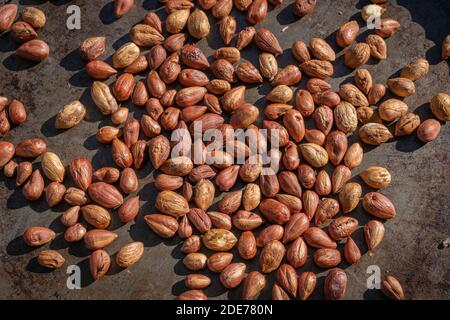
(38, 236)
(123, 87)
(8, 14)
(352, 253)
(122, 7)
(50, 259)
(99, 263)
(317, 238)
(428, 130)
(327, 258)
(232, 275)
(247, 245)
(81, 172)
(75, 233)
(392, 288)
(129, 209)
(266, 41)
(192, 295)
(197, 281)
(287, 279)
(274, 211)
(70, 216)
(31, 148)
(22, 32)
(373, 234)
(342, 227)
(163, 225)
(253, 285)
(271, 256)
(306, 284)
(34, 50)
(34, 188)
(295, 227)
(272, 232)
(278, 293)
(105, 195)
(335, 284)
(257, 11)
(99, 70)
(304, 7)
(17, 112)
(388, 28)
(347, 33)
(378, 205)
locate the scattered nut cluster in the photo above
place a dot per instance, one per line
(281, 213)
(24, 31)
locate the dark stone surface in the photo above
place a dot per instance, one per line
(420, 188)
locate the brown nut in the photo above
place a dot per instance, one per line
(219, 240)
(356, 55)
(304, 7)
(92, 48)
(306, 284)
(392, 288)
(387, 28)
(99, 238)
(7, 151)
(266, 41)
(373, 234)
(22, 32)
(105, 195)
(415, 70)
(50, 259)
(271, 256)
(8, 14)
(247, 245)
(327, 258)
(315, 136)
(321, 50)
(300, 51)
(378, 205)
(378, 47)
(352, 253)
(317, 68)
(257, 11)
(163, 225)
(75, 197)
(317, 238)
(347, 33)
(253, 285)
(374, 134)
(349, 196)
(219, 261)
(99, 263)
(428, 130)
(38, 236)
(335, 284)
(54, 193)
(75, 233)
(402, 87)
(33, 189)
(129, 254)
(342, 227)
(195, 261)
(440, 106)
(272, 232)
(232, 275)
(34, 50)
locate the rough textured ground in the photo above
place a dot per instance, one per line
(420, 187)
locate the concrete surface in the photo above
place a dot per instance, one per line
(420, 188)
